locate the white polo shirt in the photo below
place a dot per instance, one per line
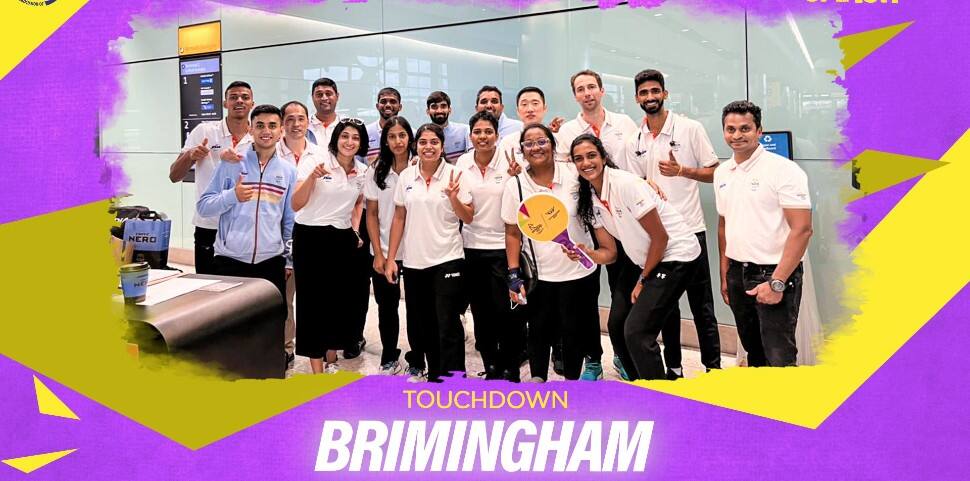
(431, 227)
(692, 148)
(373, 140)
(553, 265)
(751, 197)
(625, 199)
(311, 153)
(385, 206)
(333, 199)
(616, 129)
(507, 125)
(510, 144)
(487, 230)
(457, 141)
(321, 133)
(219, 138)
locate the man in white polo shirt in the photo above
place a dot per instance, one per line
(457, 140)
(490, 98)
(675, 153)
(611, 128)
(325, 97)
(388, 105)
(203, 147)
(763, 231)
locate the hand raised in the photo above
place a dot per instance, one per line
(244, 193)
(230, 155)
(555, 124)
(200, 151)
(319, 171)
(514, 167)
(454, 185)
(670, 167)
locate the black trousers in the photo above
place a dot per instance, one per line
(362, 263)
(322, 256)
(498, 328)
(700, 297)
(272, 269)
(434, 300)
(653, 309)
(568, 310)
(388, 297)
(204, 250)
(767, 332)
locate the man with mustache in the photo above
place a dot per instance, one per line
(675, 153)
(490, 99)
(456, 135)
(325, 97)
(388, 105)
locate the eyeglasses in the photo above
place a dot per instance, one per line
(531, 144)
(351, 120)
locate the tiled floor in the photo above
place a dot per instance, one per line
(369, 361)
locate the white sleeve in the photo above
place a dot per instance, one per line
(637, 198)
(371, 191)
(792, 187)
(510, 202)
(702, 148)
(718, 201)
(195, 137)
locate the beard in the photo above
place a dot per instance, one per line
(385, 115)
(439, 119)
(652, 109)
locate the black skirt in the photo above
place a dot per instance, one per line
(322, 263)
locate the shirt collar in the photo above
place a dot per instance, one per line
(437, 173)
(667, 127)
(492, 164)
(748, 164)
(314, 121)
(607, 120)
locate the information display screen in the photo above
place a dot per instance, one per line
(777, 142)
(200, 91)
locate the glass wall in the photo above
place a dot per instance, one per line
(419, 47)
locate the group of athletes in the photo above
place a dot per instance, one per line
(324, 206)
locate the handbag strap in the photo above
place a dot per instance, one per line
(535, 260)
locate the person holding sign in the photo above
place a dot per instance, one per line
(564, 299)
(430, 199)
(328, 201)
(498, 331)
(395, 156)
(655, 236)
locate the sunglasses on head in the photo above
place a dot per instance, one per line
(352, 121)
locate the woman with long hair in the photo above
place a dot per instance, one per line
(395, 152)
(498, 329)
(660, 246)
(430, 199)
(328, 201)
(564, 298)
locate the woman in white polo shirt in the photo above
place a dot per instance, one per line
(430, 199)
(656, 238)
(395, 151)
(564, 299)
(498, 329)
(328, 202)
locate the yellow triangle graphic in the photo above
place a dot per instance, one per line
(26, 26)
(858, 46)
(877, 170)
(29, 464)
(48, 403)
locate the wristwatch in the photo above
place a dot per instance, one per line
(777, 285)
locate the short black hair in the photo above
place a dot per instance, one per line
(265, 109)
(742, 107)
(344, 124)
(389, 90)
(324, 82)
(526, 90)
(483, 115)
(236, 84)
(648, 75)
(292, 103)
(572, 80)
(438, 96)
(488, 88)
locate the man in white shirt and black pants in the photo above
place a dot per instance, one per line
(675, 153)
(763, 231)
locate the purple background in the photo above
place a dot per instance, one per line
(909, 421)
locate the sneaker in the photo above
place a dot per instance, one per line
(535, 379)
(354, 349)
(673, 375)
(416, 375)
(390, 368)
(332, 368)
(618, 366)
(592, 371)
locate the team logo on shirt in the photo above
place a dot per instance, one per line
(408, 188)
(279, 179)
(723, 185)
(499, 178)
(755, 184)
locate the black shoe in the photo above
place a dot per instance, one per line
(558, 366)
(511, 375)
(354, 349)
(492, 373)
(673, 376)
